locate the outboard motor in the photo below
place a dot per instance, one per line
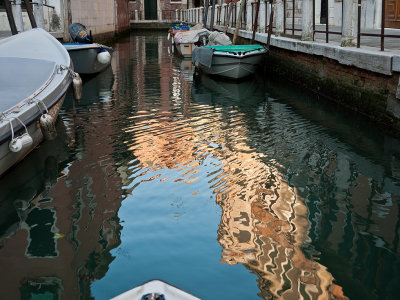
(80, 34)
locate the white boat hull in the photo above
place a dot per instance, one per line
(233, 66)
(8, 158)
(31, 78)
(156, 287)
(84, 57)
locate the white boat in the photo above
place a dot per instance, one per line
(89, 58)
(156, 290)
(35, 74)
(185, 41)
(234, 61)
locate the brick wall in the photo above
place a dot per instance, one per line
(122, 15)
(364, 91)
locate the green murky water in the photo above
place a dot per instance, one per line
(227, 190)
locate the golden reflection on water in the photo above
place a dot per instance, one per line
(264, 221)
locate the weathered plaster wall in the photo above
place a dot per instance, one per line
(53, 17)
(98, 16)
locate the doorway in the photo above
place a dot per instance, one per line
(392, 13)
(324, 6)
(150, 9)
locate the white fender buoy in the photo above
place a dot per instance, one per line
(21, 142)
(48, 127)
(103, 57)
(77, 85)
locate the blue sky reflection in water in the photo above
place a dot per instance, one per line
(229, 191)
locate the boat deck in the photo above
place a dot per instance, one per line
(32, 72)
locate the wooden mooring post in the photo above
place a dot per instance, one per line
(10, 17)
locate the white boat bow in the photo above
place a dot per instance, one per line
(156, 290)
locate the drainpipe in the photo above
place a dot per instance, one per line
(307, 21)
(348, 35)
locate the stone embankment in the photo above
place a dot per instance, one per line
(364, 79)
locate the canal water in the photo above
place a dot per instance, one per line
(249, 190)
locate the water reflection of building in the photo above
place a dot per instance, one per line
(154, 128)
(264, 226)
(64, 234)
(264, 222)
(351, 191)
(294, 208)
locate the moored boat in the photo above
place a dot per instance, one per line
(89, 58)
(233, 61)
(173, 31)
(186, 41)
(156, 290)
(35, 74)
(177, 28)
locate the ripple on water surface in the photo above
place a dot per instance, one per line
(229, 190)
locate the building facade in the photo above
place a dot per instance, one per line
(104, 18)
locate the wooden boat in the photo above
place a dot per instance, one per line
(156, 289)
(35, 74)
(234, 61)
(89, 58)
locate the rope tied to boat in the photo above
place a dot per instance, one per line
(44, 105)
(62, 68)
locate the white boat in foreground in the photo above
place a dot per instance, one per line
(234, 61)
(35, 74)
(89, 58)
(156, 290)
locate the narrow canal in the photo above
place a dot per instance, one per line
(246, 190)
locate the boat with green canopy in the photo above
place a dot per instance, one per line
(234, 61)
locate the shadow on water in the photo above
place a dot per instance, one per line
(349, 176)
(335, 164)
(25, 205)
(57, 225)
(33, 177)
